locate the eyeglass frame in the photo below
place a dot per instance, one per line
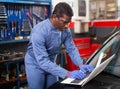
(64, 21)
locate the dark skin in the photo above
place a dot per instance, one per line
(60, 23)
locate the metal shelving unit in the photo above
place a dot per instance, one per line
(20, 16)
(16, 78)
(18, 12)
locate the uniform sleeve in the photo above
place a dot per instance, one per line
(72, 50)
(42, 57)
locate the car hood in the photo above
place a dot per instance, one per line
(102, 81)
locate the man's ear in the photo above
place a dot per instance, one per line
(54, 16)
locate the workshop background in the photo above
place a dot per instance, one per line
(93, 22)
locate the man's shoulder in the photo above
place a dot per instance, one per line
(45, 22)
(42, 24)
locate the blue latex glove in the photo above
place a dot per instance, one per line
(86, 68)
(78, 74)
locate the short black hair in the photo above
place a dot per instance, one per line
(63, 8)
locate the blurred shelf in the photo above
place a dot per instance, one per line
(12, 59)
(8, 81)
(3, 81)
(40, 2)
(23, 78)
(13, 41)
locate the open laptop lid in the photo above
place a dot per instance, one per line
(99, 59)
(98, 69)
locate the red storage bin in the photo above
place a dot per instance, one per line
(85, 49)
(83, 46)
(82, 43)
(70, 66)
(94, 47)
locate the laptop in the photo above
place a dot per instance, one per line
(100, 66)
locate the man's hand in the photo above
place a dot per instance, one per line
(77, 74)
(86, 68)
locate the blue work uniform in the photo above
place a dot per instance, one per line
(40, 60)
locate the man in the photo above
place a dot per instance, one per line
(44, 45)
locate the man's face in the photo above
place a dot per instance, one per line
(62, 23)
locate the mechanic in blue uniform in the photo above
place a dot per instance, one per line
(45, 42)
